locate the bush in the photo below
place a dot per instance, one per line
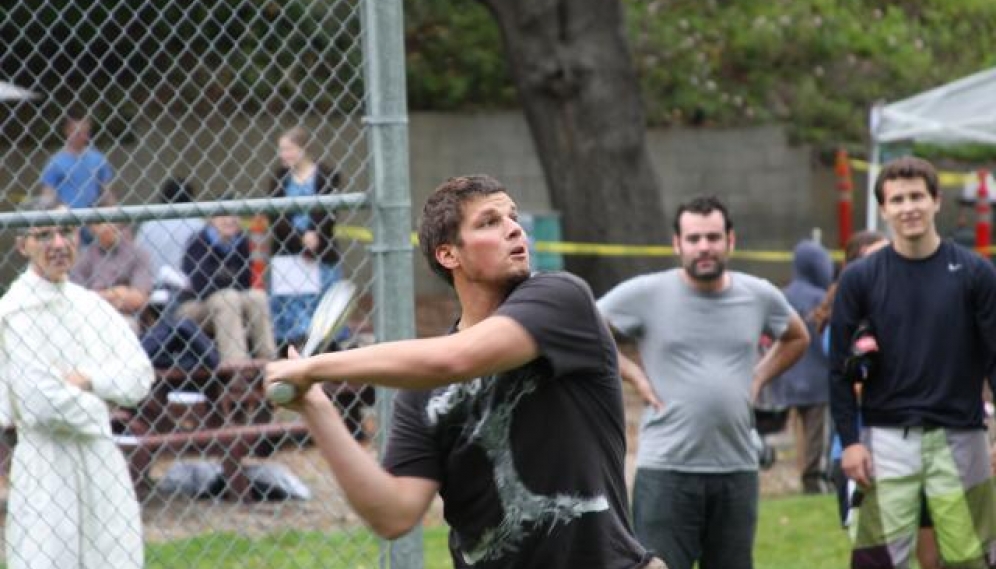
(815, 65)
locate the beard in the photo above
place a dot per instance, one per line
(705, 275)
(518, 277)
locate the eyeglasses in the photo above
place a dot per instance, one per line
(48, 235)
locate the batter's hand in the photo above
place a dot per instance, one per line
(291, 370)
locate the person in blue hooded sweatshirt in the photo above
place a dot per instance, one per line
(804, 386)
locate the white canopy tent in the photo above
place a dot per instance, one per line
(11, 92)
(963, 111)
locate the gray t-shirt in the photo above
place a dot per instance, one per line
(699, 350)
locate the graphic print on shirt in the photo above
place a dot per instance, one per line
(488, 425)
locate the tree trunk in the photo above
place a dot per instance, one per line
(577, 84)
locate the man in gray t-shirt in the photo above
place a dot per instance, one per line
(698, 330)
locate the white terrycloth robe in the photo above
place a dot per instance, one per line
(71, 504)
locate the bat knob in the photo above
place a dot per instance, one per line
(281, 392)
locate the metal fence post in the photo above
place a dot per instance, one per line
(215, 103)
(387, 122)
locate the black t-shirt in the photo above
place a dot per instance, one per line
(530, 462)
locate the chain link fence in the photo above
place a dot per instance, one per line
(225, 163)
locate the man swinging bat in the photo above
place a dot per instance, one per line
(515, 418)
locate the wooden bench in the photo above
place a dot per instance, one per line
(233, 421)
(231, 443)
(232, 393)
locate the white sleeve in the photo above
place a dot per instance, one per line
(6, 411)
(39, 394)
(118, 367)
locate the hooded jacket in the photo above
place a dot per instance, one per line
(806, 383)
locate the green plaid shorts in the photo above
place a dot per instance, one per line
(951, 468)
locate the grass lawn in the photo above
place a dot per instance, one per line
(798, 532)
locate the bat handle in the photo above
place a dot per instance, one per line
(281, 392)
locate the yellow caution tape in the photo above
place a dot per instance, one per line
(354, 232)
(364, 235)
(601, 249)
(955, 180)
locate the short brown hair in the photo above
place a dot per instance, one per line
(859, 242)
(906, 168)
(443, 214)
(703, 205)
(853, 250)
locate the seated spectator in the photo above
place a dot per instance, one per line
(166, 239)
(170, 343)
(173, 342)
(217, 263)
(116, 269)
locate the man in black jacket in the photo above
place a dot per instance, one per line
(932, 306)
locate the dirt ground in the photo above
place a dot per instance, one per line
(173, 517)
(170, 517)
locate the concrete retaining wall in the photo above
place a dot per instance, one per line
(776, 191)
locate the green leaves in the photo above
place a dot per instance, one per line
(815, 65)
(454, 57)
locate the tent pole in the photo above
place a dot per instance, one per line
(871, 207)
(874, 122)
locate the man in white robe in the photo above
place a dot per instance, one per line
(64, 354)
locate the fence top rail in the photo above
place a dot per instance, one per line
(135, 213)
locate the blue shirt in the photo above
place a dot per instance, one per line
(78, 179)
(301, 221)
